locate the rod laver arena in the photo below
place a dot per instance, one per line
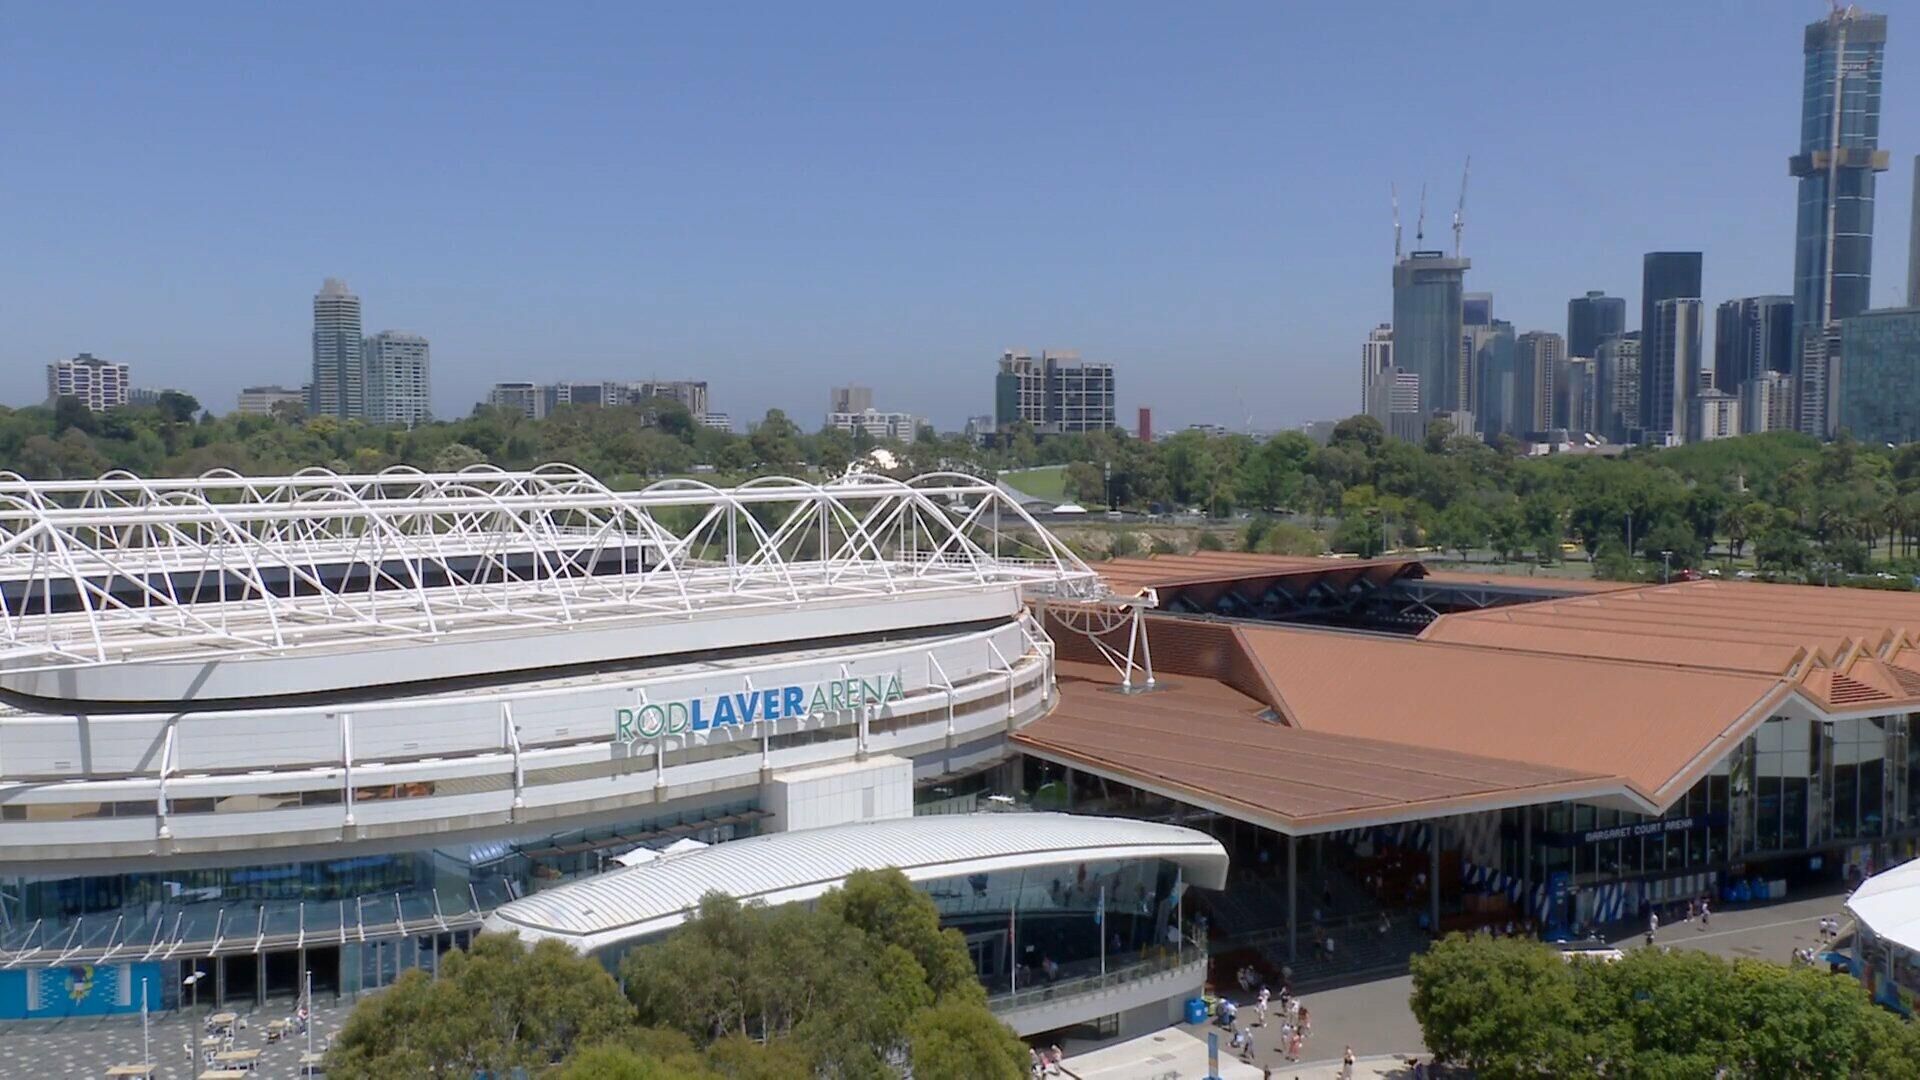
(267, 726)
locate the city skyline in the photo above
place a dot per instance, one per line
(773, 259)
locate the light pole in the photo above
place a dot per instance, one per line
(1666, 567)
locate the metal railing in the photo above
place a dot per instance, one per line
(1157, 963)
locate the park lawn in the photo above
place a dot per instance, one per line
(1047, 482)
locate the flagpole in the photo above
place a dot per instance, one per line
(309, 1009)
(146, 1056)
(1100, 920)
(1013, 937)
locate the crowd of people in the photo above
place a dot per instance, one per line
(1291, 1016)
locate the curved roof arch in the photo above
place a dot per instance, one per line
(638, 902)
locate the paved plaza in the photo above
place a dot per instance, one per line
(89, 1046)
(1373, 1017)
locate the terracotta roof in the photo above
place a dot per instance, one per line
(1846, 648)
(1652, 728)
(1202, 742)
(1522, 581)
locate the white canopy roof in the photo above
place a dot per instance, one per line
(636, 902)
(1888, 904)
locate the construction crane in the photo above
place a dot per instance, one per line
(1394, 190)
(1460, 211)
(1420, 223)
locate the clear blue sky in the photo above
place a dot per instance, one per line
(780, 197)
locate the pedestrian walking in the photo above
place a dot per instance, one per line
(1346, 1065)
(1706, 915)
(1260, 1006)
(1653, 927)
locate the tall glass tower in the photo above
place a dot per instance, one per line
(1839, 153)
(339, 367)
(1427, 293)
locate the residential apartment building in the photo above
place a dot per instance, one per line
(881, 426)
(98, 384)
(339, 369)
(398, 378)
(1766, 403)
(1376, 357)
(1616, 387)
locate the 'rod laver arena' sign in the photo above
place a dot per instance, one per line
(752, 707)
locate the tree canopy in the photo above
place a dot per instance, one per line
(864, 984)
(1512, 1008)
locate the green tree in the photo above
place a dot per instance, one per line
(496, 1007)
(1461, 527)
(957, 1042)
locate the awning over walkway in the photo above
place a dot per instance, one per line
(637, 902)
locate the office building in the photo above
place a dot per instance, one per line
(1838, 156)
(1493, 366)
(1539, 360)
(1913, 242)
(1664, 275)
(1427, 321)
(1713, 414)
(1671, 369)
(690, 393)
(1616, 387)
(525, 398)
(1476, 309)
(1055, 394)
(339, 368)
(1879, 391)
(1376, 357)
(852, 398)
(263, 400)
(718, 421)
(1766, 403)
(98, 384)
(398, 378)
(1579, 395)
(1816, 385)
(978, 429)
(877, 425)
(1143, 431)
(1751, 335)
(1592, 318)
(1395, 402)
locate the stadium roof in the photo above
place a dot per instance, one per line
(630, 904)
(122, 571)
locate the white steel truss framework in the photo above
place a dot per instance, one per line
(122, 569)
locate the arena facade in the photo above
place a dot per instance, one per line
(267, 727)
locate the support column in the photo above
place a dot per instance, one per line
(1293, 900)
(1526, 863)
(260, 978)
(1433, 875)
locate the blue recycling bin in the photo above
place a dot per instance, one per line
(1196, 1010)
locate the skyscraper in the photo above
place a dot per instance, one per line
(1476, 309)
(1664, 275)
(1591, 318)
(1671, 369)
(1540, 359)
(1427, 295)
(1839, 153)
(339, 371)
(1493, 371)
(1616, 394)
(1751, 335)
(1376, 356)
(1913, 242)
(397, 377)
